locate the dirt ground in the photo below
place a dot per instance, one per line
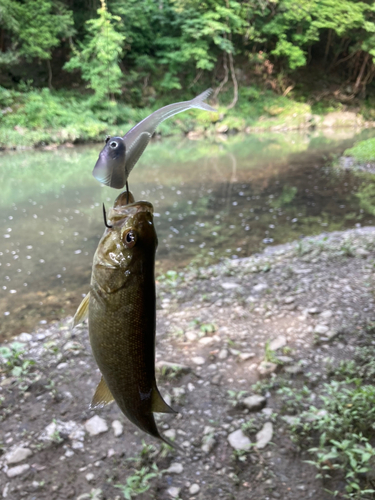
(281, 318)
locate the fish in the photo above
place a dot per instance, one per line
(121, 309)
(120, 154)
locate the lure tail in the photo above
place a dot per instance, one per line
(197, 102)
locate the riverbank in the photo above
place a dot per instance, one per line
(44, 118)
(265, 350)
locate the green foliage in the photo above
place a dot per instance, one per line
(12, 360)
(363, 151)
(99, 55)
(139, 482)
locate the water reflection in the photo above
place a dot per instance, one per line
(211, 200)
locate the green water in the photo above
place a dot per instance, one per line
(212, 199)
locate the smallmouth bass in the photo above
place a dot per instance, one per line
(120, 154)
(121, 308)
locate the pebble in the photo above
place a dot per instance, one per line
(117, 427)
(321, 329)
(260, 287)
(206, 340)
(278, 343)
(264, 436)
(190, 387)
(361, 252)
(255, 403)
(62, 366)
(313, 310)
(18, 470)
(223, 354)
(239, 441)
(173, 491)
(96, 425)
(244, 356)
(288, 300)
(170, 433)
(90, 477)
(326, 314)
(24, 337)
(175, 468)
(266, 368)
(198, 360)
(208, 444)
(17, 455)
(194, 488)
(167, 367)
(294, 369)
(191, 336)
(229, 286)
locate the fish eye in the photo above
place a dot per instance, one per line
(107, 138)
(113, 144)
(130, 238)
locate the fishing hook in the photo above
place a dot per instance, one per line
(105, 219)
(127, 193)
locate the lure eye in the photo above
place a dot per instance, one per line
(130, 239)
(113, 144)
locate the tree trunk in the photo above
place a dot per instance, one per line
(361, 72)
(49, 74)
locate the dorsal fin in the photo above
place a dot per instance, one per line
(102, 396)
(158, 404)
(82, 311)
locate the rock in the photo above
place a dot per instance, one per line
(255, 403)
(206, 340)
(221, 128)
(265, 368)
(208, 443)
(166, 367)
(244, 356)
(170, 433)
(239, 441)
(313, 310)
(198, 360)
(117, 427)
(223, 354)
(361, 252)
(191, 387)
(96, 425)
(294, 369)
(278, 343)
(259, 288)
(194, 488)
(290, 419)
(321, 329)
(90, 477)
(173, 491)
(326, 314)
(18, 470)
(62, 366)
(24, 337)
(289, 300)
(264, 436)
(17, 455)
(191, 336)
(229, 286)
(175, 468)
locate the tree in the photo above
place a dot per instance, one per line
(98, 56)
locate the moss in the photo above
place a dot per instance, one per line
(363, 151)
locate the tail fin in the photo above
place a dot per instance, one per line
(197, 102)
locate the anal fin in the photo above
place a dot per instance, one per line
(82, 311)
(102, 396)
(158, 405)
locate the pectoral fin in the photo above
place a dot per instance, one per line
(158, 404)
(102, 396)
(82, 311)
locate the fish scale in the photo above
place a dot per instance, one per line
(121, 308)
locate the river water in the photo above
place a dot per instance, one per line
(227, 197)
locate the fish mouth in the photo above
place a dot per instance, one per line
(119, 211)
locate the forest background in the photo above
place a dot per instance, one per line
(75, 70)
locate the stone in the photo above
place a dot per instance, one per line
(255, 403)
(239, 441)
(24, 337)
(191, 336)
(117, 427)
(326, 314)
(321, 329)
(294, 369)
(313, 310)
(173, 491)
(17, 455)
(289, 300)
(194, 488)
(285, 360)
(265, 368)
(90, 477)
(264, 436)
(208, 443)
(244, 356)
(361, 252)
(206, 340)
(260, 287)
(229, 286)
(278, 343)
(96, 425)
(223, 354)
(290, 419)
(175, 468)
(62, 366)
(18, 470)
(170, 434)
(198, 360)
(166, 367)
